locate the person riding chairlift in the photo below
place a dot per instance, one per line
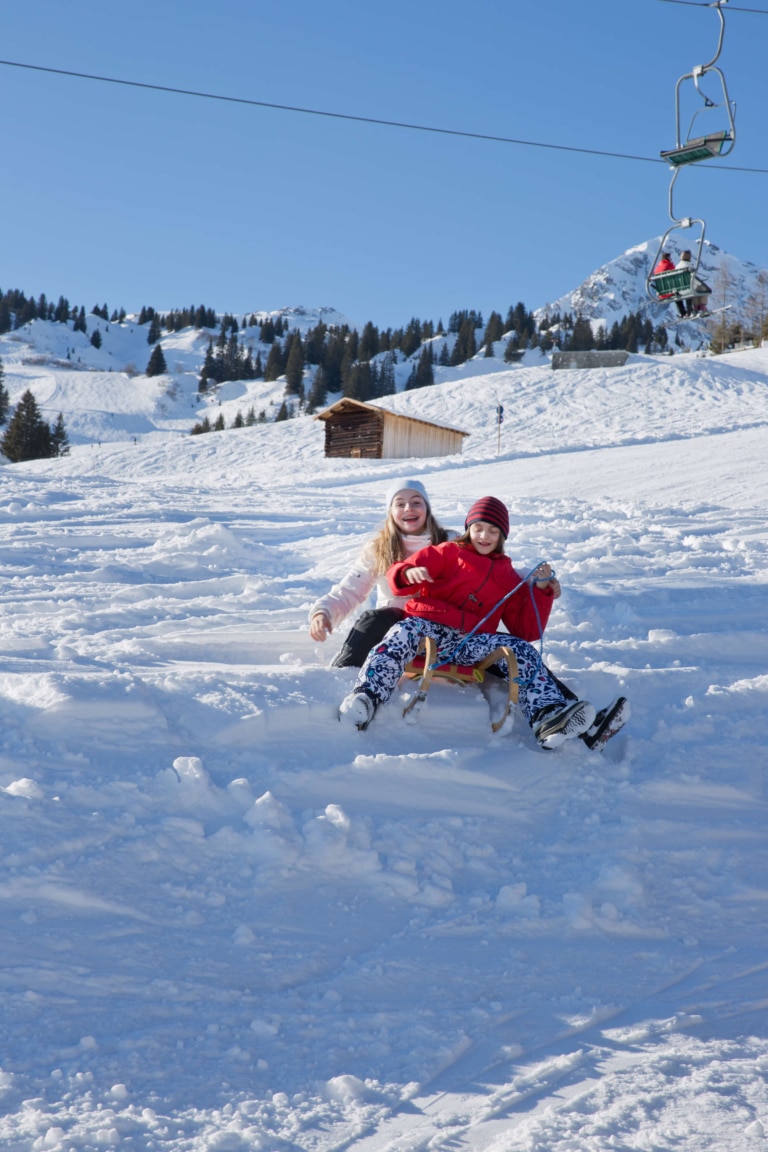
(697, 303)
(666, 265)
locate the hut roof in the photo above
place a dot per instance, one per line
(346, 404)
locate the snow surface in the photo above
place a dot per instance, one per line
(229, 924)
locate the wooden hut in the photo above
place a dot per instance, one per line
(353, 428)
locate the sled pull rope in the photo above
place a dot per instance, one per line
(527, 580)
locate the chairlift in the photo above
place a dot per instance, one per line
(678, 283)
(691, 149)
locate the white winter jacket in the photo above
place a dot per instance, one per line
(360, 581)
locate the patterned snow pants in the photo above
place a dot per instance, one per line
(386, 662)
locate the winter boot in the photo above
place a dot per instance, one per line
(358, 708)
(607, 723)
(554, 725)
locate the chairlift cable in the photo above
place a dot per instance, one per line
(352, 117)
(704, 4)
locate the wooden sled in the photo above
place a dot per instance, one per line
(420, 669)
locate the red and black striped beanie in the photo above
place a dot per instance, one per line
(492, 511)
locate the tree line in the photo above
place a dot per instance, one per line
(361, 364)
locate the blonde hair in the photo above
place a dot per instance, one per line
(387, 544)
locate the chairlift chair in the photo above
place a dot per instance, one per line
(678, 283)
(690, 149)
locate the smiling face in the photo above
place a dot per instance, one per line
(484, 537)
(409, 512)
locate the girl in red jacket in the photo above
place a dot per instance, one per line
(455, 585)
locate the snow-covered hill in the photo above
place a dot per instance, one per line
(104, 394)
(229, 925)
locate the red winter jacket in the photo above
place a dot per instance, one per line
(466, 585)
(664, 265)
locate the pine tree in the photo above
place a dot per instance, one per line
(466, 346)
(582, 337)
(4, 397)
(494, 329)
(369, 342)
(294, 368)
(411, 338)
(314, 344)
(318, 393)
(422, 375)
(359, 381)
(96, 338)
(218, 425)
(157, 365)
(154, 330)
(207, 373)
(59, 438)
(275, 365)
(61, 311)
(386, 383)
(27, 436)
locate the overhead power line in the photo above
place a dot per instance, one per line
(705, 4)
(349, 116)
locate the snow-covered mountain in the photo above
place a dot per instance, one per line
(618, 287)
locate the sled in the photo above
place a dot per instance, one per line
(421, 669)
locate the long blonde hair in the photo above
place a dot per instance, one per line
(387, 544)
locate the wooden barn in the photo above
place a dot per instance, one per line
(353, 428)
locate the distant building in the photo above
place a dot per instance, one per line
(355, 429)
(593, 359)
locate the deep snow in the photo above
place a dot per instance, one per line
(228, 924)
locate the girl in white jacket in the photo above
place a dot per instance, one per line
(408, 527)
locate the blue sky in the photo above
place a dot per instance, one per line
(130, 197)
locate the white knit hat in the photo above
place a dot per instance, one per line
(403, 486)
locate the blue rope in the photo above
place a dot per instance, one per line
(529, 580)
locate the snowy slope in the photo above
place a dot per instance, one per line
(103, 393)
(229, 925)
